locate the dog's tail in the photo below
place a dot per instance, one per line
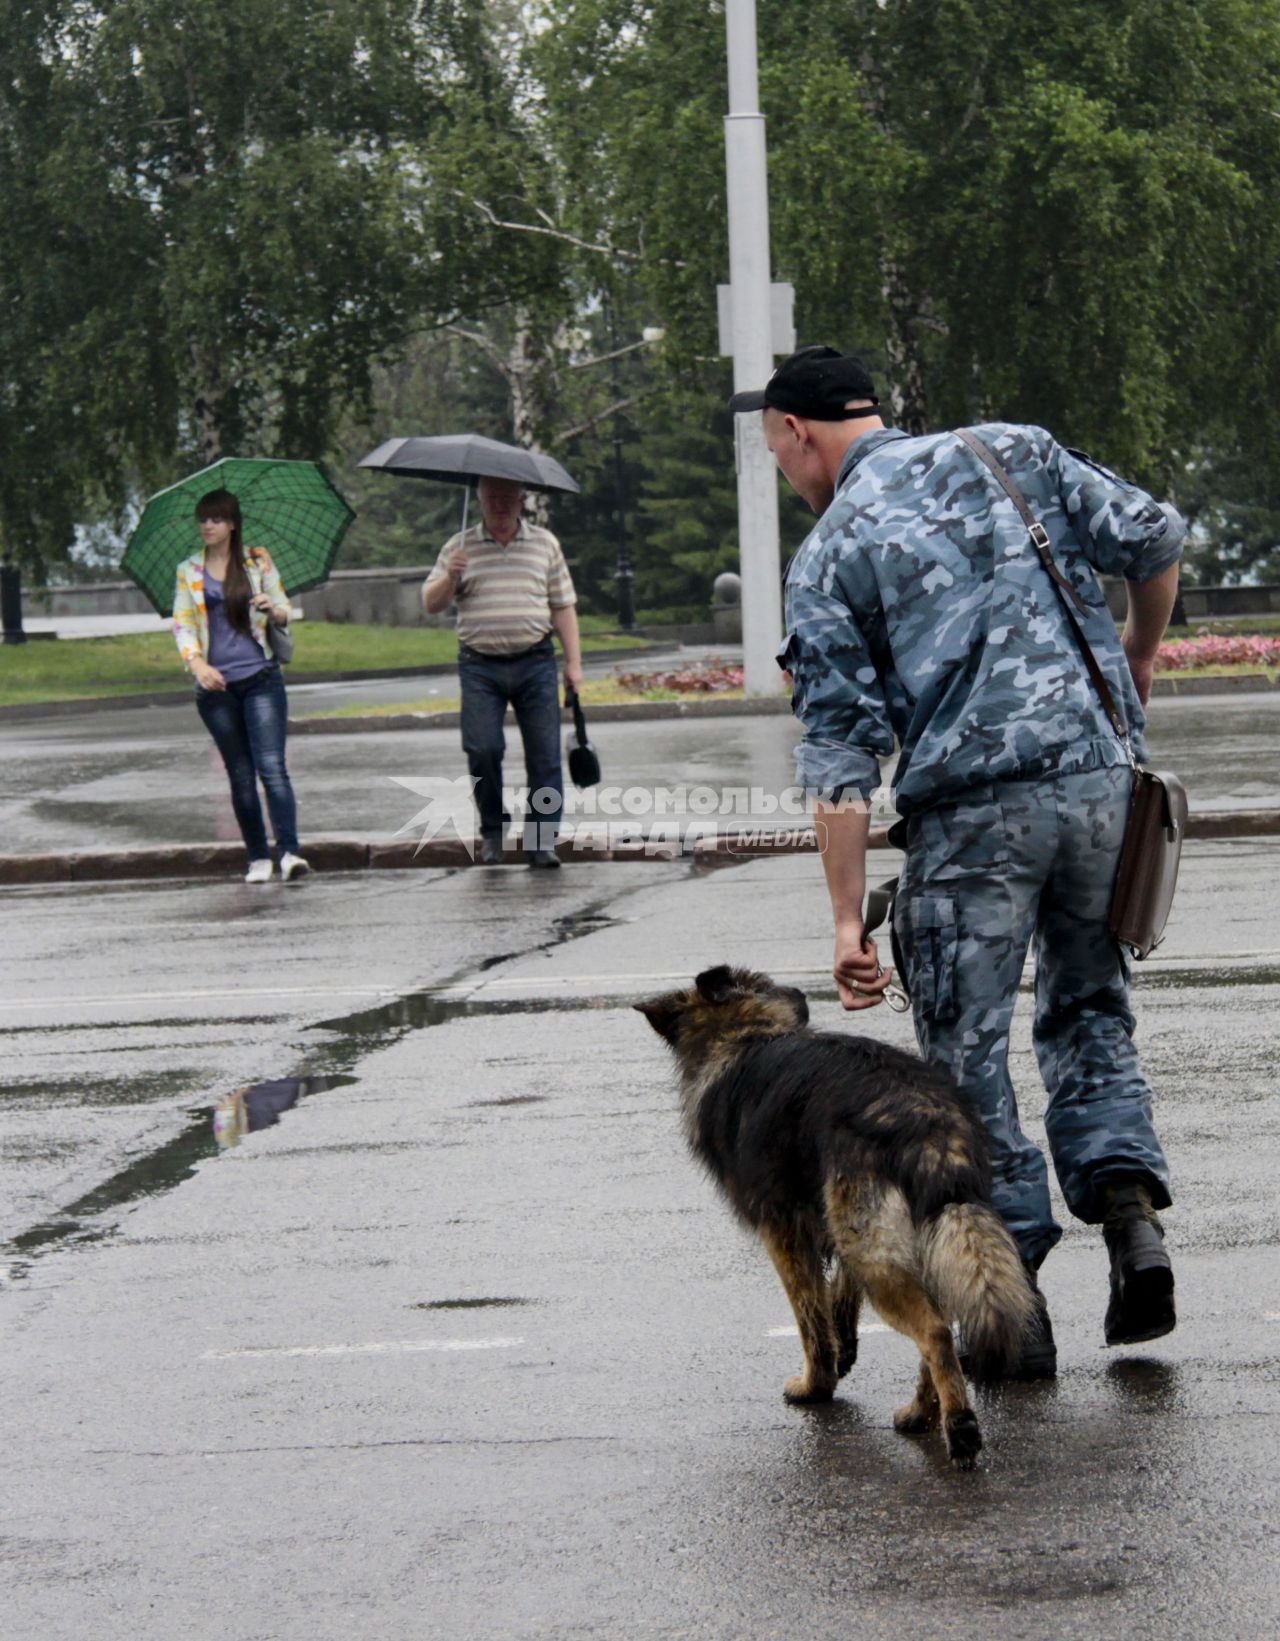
(972, 1267)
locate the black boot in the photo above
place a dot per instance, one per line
(1141, 1305)
(1038, 1358)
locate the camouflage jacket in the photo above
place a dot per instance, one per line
(918, 610)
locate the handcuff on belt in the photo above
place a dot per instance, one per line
(880, 910)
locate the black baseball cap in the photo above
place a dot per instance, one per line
(816, 383)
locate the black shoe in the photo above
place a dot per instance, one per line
(546, 858)
(491, 852)
(1038, 1358)
(1141, 1305)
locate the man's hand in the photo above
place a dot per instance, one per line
(457, 562)
(573, 676)
(856, 967)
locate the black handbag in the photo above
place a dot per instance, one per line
(280, 639)
(1147, 873)
(584, 766)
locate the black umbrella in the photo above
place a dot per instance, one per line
(584, 765)
(462, 458)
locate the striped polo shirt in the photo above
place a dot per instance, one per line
(507, 594)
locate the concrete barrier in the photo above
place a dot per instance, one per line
(392, 597)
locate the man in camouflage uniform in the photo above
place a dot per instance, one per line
(918, 611)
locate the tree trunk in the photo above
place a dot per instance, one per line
(206, 405)
(907, 400)
(522, 373)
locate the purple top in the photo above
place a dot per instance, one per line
(236, 655)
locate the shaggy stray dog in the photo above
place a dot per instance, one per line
(841, 1151)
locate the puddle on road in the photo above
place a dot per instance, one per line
(209, 1128)
(508, 1099)
(1194, 979)
(134, 1025)
(470, 1304)
(86, 1219)
(368, 1029)
(146, 1088)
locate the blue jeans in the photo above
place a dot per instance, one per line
(248, 721)
(1000, 868)
(530, 683)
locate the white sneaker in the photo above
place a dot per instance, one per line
(259, 871)
(293, 866)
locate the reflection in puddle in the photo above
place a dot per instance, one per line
(162, 1169)
(1146, 1380)
(262, 1104)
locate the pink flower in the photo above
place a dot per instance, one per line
(1218, 650)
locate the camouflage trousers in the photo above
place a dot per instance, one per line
(1009, 865)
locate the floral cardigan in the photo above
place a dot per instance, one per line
(191, 619)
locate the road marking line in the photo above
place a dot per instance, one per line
(793, 1332)
(679, 975)
(376, 1348)
(125, 999)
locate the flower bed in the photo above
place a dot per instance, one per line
(1218, 650)
(700, 678)
(1208, 650)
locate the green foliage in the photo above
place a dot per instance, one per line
(216, 216)
(1062, 213)
(228, 223)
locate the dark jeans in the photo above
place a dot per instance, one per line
(248, 721)
(530, 683)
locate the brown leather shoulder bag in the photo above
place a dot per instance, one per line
(1148, 869)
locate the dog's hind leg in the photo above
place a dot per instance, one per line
(846, 1298)
(797, 1259)
(904, 1305)
(923, 1413)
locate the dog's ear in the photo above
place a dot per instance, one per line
(716, 985)
(663, 1014)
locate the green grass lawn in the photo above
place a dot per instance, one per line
(73, 669)
(82, 668)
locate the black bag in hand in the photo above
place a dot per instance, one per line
(584, 766)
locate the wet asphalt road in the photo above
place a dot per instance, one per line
(151, 775)
(464, 1347)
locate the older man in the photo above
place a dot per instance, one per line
(918, 611)
(512, 588)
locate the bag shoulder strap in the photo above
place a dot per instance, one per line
(1067, 594)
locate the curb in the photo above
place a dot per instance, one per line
(226, 860)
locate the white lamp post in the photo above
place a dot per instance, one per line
(751, 338)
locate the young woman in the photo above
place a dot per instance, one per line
(226, 598)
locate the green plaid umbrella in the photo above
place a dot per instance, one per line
(290, 508)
